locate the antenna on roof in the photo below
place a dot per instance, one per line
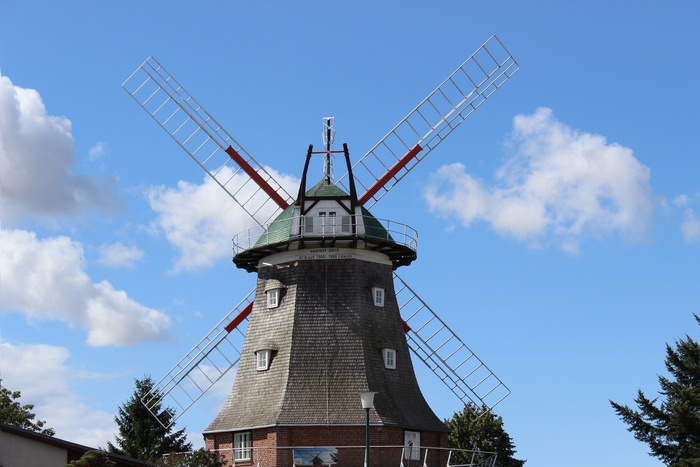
(328, 135)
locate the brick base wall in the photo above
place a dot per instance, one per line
(272, 447)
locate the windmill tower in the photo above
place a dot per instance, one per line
(324, 326)
(329, 317)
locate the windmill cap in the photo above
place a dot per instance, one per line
(292, 230)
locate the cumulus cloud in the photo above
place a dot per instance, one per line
(200, 220)
(41, 373)
(560, 186)
(46, 280)
(38, 163)
(118, 255)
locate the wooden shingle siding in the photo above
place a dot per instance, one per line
(328, 336)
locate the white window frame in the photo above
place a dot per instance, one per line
(273, 298)
(389, 356)
(262, 359)
(411, 451)
(378, 295)
(327, 222)
(242, 446)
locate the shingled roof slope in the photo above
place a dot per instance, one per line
(328, 337)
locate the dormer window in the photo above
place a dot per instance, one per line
(273, 292)
(389, 358)
(273, 298)
(378, 296)
(262, 359)
(326, 222)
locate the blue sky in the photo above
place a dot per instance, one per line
(559, 230)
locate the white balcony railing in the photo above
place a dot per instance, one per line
(326, 228)
(349, 456)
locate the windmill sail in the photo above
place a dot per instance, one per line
(445, 354)
(414, 137)
(202, 367)
(207, 142)
(263, 198)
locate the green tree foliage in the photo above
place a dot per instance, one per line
(140, 434)
(480, 433)
(15, 414)
(200, 458)
(671, 428)
(93, 458)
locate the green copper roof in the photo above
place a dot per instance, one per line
(279, 230)
(278, 235)
(324, 189)
(374, 228)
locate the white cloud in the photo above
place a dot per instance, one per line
(690, 226)
(41, 374)
(200, 220)
(98, 150)
(560, 185)
(46, 279)
(37, 160)
(118, 255)
(681, 200)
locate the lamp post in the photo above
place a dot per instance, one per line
(367, 398)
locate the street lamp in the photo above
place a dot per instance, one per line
(367, 398)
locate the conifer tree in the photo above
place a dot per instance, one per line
(15, 414)
(483, 432)
(671, 427)
(140, 434)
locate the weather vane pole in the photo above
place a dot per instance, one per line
(328, 135)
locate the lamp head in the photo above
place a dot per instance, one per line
(367, 398)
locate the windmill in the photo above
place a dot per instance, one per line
(317, 340)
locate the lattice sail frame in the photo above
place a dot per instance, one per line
(426, 126)
(202, 367)
(436, 345)
(256, 191)
(206, 141)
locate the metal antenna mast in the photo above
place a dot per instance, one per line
(328, 136)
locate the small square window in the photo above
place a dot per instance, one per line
(262, 359)
(389, 358)
(378, 296)
(241, 446)
(273, 298)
